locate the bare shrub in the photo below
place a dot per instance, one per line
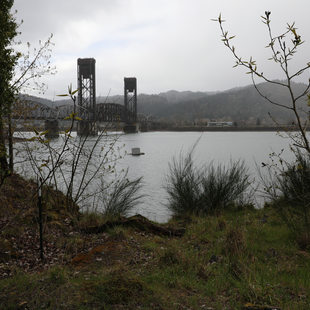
(120, 197)
(184, 186)
(224, 186)
(205, 190)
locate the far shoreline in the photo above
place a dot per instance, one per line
(228, 129)
(200, 129)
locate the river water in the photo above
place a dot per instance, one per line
(217, 147)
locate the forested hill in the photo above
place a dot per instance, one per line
(239, 104)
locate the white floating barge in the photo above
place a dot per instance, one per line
(136, 151)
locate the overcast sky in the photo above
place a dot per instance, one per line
(166, 44)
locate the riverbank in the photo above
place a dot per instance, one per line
(241, 259)
(230, 128)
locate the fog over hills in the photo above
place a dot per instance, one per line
(238, 104)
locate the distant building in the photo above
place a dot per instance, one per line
(201, 121)
(220, 124)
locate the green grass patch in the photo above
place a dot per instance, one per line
(225, 261)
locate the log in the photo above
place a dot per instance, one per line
(138, 222)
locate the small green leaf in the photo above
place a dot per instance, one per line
(32, 139)
(71, 116)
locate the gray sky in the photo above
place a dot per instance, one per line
(166, 44)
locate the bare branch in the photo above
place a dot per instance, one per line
(281, 55)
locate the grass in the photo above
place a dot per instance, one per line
(222, 262)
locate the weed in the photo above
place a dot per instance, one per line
(120, 287)
(57, 275)
(234, 243)
(221, 224)
(89, 219)
(303, 241)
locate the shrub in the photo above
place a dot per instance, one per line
(184, 186)
(206, 190)
(121, 197)
(294, 183)
(224, 186)
(292, 198)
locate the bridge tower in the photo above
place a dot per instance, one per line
(130, 103)
(52, 128)
(86, 96)
(51, 123)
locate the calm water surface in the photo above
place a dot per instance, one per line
(217, 147)
(161, 147)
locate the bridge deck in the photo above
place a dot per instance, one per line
(105, 112)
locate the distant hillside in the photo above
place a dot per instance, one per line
(240, 105)
(174, 96)
(47, 102)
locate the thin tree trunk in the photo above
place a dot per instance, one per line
(10, 139)
(4, 167)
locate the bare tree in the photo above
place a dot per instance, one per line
(283, 47)
(30, 68)
(287, 184)
(83, 167)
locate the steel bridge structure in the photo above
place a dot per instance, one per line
(105, 112)
(90, 112)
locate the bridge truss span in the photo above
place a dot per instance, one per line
(110, 112)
